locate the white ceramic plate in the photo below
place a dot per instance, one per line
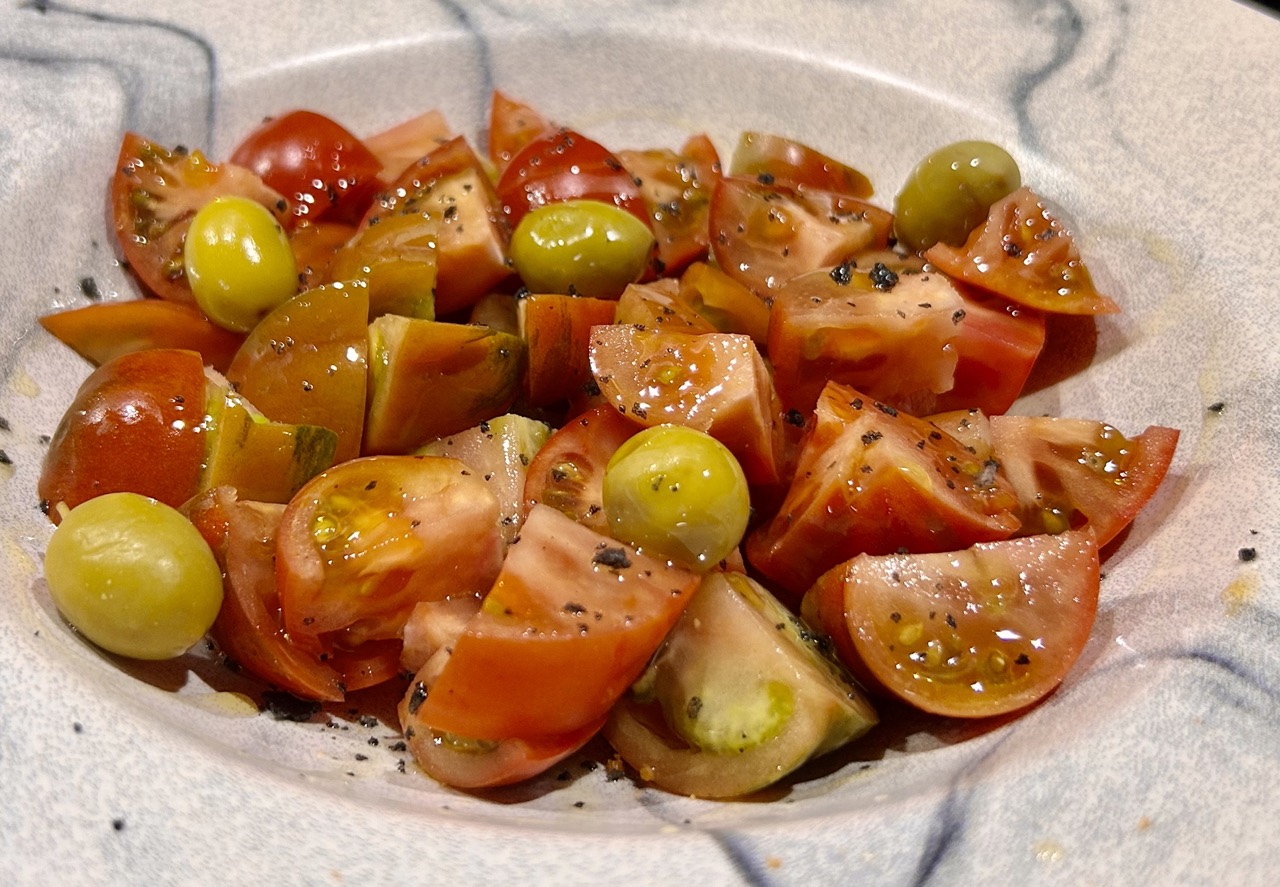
(1154, 122)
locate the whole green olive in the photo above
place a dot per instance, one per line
(586, 247)
(950, 192)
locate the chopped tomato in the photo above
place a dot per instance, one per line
(512, 125)
(728, 305)
(248, 629)
(872, 479)
(105, 330)
(365, 541)
(713, 382)
(676, 188)
(307, 361)
(134, 426)
(556, 330)
(1067, 472)
(154, 194)
(566, 165)
(892, 338)
(1025, 253)
(569, 624)
(777, 160)
(763, 235)
(971, 633)
(659, 306)
(314, 246)
(407, 142)
(567, 473)
(451, 185)
(324, 170)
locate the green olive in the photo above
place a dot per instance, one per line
(677, 493)
(134, 576)
(239, 262)
(585, 247)
(950, 192)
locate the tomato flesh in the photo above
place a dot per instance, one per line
(568, 625)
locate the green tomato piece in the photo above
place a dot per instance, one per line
(134, 576)
(951, 191)
(677, 493)
(238, 262)
(583, 247)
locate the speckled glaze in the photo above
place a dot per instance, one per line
(1156, 122)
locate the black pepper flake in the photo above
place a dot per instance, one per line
(886, 409)
(615, 558)
(795, 417)
(765, 178)
(1248, 554)
(4, 424)
(77, 727)
(118, 823)
(1217, 407)
(882, 277)
(5, 459)
(842, 273)
(1023, 659)
(895, 617)
(417, 697)
(951, 620)
(360, 757)
(579, 804)
(398, 745)
(871, 437)
(694, 708)
(958, 316)
(287, 707)
(89, 288)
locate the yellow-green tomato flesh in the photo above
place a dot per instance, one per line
(677, 493)
(950, 192)
(582, 247)
(134, 576)
(238, 262)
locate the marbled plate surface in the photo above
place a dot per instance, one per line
(1156, 122)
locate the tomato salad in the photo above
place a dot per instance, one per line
(562, 441)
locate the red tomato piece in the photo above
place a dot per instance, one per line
(728, 305)
(556, 330)
(764, 235)
(972, 633)
(777, 160)
(676, 188)
(307, 363)
(891, 337)
(714, 382)
(567, 472)
(405, 143)
(512, 125)
(248, 629)
(452, 184)
(324, 170)
(871, 479)
(1072, 471)
(314, 246)
(134, 426)
(566, 165)
(1025, 253)
(998, 345)
(154, 194)
(570, 623)
(106, 330)
(361, 544)
(659, 305)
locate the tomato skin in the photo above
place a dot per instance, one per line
(154, 194)
(512, 125)
(1025, 253)
(567, 472)
(363, 542)
(1069, 471)
(134, 426)
(566, 165)
(307, 363)
(556, 330)
(568, 625)
(105, 330)
(782, 161)
(324, 170)
(974, 633)
(872, 479)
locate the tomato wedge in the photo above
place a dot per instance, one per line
(676, 188)
(1070, 471)
(569, 624)
(104, 330)
(512, 125)
(154, 194)
(1025, 253)
(778, 160)
(971, 633)
(365, 541)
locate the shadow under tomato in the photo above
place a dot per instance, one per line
(1071, 342)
